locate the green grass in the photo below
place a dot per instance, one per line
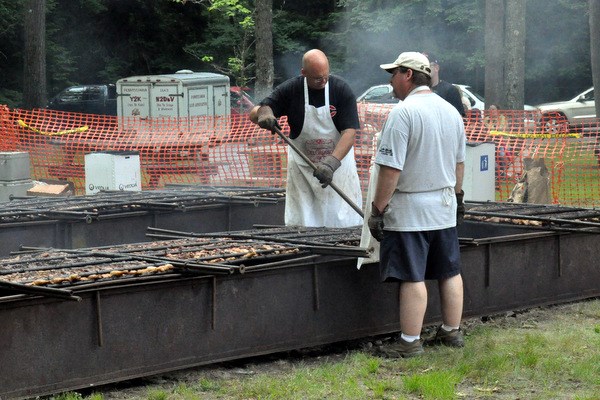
(540, 354)
(580, 183)
(574, 177)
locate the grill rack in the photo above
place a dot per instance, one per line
(207, 255)
(536, 216)
(333, 241)
(108, 204)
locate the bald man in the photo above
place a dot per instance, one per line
(323, 118)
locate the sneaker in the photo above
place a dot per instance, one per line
(401, 349)
(454, 338)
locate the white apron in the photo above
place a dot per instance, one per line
(307, 203)
(366, 239)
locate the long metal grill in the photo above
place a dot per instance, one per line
(536, 216)
(109, 204)
(35, 270)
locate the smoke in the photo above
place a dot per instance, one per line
(557, 59)
(557, 54)
(366, 50)
(287, 66)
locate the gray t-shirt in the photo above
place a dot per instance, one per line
(424, 138)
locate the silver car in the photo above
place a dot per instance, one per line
(575, 114)
(378, 94)
(384, 94)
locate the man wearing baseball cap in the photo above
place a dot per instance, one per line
(417, 203)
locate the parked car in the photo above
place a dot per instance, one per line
(572, 114)
(474, 99)
(89, 99)
(241, 101)
(378, 94)
(384, 94)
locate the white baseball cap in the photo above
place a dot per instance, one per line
(410, 59)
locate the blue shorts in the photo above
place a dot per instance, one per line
(418, 256)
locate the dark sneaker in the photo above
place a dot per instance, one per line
(400, 349)
(454, 338)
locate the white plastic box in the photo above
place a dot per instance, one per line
(479, 182)
(112, 170)
(14, 188)
(14, 166)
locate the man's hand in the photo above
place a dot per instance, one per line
(266, 119)
(325, 169)
(460, 207)
(376, 222)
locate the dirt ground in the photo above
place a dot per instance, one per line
(278, 363)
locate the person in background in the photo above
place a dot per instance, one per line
(418, 203)
(495, 121)
(323, 119)
(445, 90)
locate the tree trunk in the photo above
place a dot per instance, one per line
(494, 54)
(264, 49)
(34, 67)
(595, 47)
(514, 64)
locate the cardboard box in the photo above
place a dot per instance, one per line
(112, 170)
(44, 189)
(14, 166)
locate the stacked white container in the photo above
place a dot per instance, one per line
(15, 175)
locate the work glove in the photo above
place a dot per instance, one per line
(460, 207)
(325, 169)
(376, 222)
(267, 120)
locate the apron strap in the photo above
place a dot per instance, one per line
(306, 101)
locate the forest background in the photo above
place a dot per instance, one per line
(100, 41)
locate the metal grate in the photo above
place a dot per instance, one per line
(548, 217)
(121, 203)
(214, 254)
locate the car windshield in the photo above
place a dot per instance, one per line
(375, 93)
(479, 97)
(589, 96)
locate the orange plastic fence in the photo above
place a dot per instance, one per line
(571, 157)
(232, 151)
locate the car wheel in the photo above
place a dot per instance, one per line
(554, 123)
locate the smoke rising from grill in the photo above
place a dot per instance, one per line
(557, 53)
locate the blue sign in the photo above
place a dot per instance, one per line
(483, 163)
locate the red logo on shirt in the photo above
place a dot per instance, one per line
(332, 111)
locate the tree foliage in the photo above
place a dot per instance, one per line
(381, 29)
(11, 52)
(229, 49)
(94, 41)
(557, 61)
